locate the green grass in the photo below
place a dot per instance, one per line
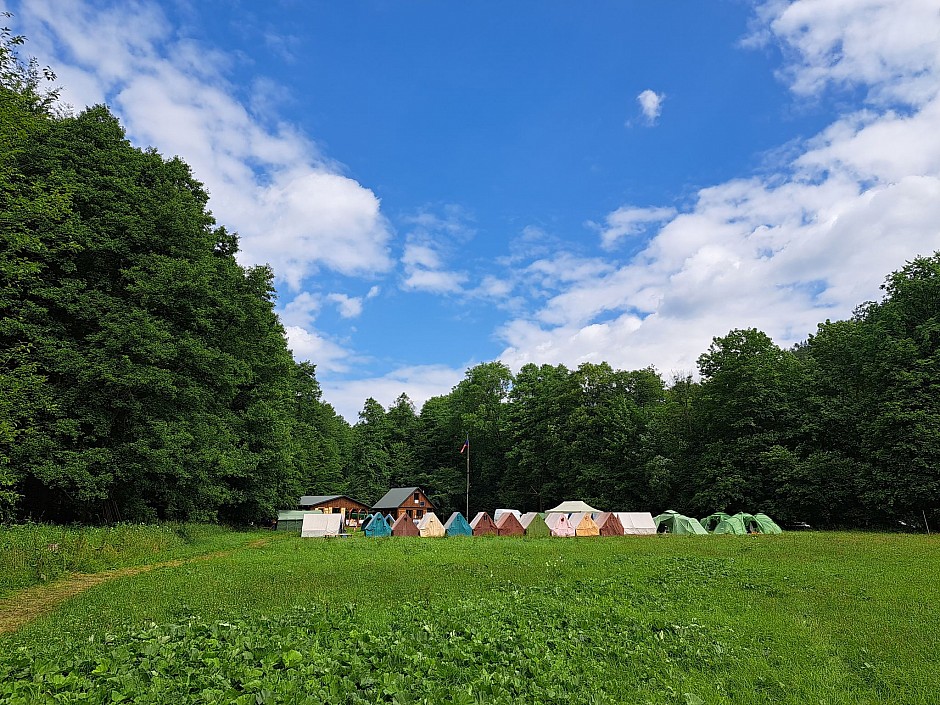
(800, 618)
(39, 553)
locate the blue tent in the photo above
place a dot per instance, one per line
(365, 522)
(378, 526)
(457, 526)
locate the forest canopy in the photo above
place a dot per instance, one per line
(144, 375)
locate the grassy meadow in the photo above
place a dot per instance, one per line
(799, 618)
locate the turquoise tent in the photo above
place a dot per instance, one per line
(457, 525)
(674, 523)
(378, 526)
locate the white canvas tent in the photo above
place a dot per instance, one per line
(571, 507)
(499, 512)
(527, 518)
(321, 525)
(430, 526)
(637, 523)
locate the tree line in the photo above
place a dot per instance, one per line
(144, 375)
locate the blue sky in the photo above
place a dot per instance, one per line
(442, 184)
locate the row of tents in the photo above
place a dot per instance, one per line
(718, 523)
(510, 522)
(513, 523)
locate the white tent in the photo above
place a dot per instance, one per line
(572, 507)
(637, 523)
(527, 518)
(499, 512)
(321, 525)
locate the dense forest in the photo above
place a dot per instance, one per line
(144, 375)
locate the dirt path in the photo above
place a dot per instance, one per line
(25, 606)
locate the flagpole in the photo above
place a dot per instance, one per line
(468, 478)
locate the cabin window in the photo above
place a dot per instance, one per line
(420, 513)
(416, 497)
(410, 514)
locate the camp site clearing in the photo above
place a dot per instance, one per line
(798, 618)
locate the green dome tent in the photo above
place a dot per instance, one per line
(732, 525)
(767, 525)
(674, 523)
(710, 522)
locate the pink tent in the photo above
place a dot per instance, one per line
(558, 523)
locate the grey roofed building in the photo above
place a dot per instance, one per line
(395, 497)
(404, 500)
(309, 500)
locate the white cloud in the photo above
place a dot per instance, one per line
(651, 105)
(419, 382)
(309, 345)
(349, 306)
(292, 208)
(432, 240)
(627, 221)
(786, 251)
(301, 311)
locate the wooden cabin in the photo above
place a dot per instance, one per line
(405, 501)
(354, 510)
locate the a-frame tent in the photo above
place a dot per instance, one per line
(378, 526)
(584, 524)
(608, 524)
(483, 525)
(404, 526)
(535, 525)
(430, 526)
(637, 523)
(559, 525)
(508, 525)
(457, 525)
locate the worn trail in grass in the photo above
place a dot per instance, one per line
(28, 604)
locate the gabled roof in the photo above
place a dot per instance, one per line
(308, 500)
(572, 506)
(397, 496)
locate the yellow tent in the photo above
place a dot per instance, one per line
(584, 524)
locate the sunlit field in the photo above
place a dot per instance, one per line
(798, 618)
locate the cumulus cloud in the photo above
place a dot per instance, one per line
(419, 382)
(349, 306)
(627, 221)
(432, 240)
(787, 250)
(651, 105)
(294, 209)
(312, 346)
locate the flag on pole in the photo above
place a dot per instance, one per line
(466, 445)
